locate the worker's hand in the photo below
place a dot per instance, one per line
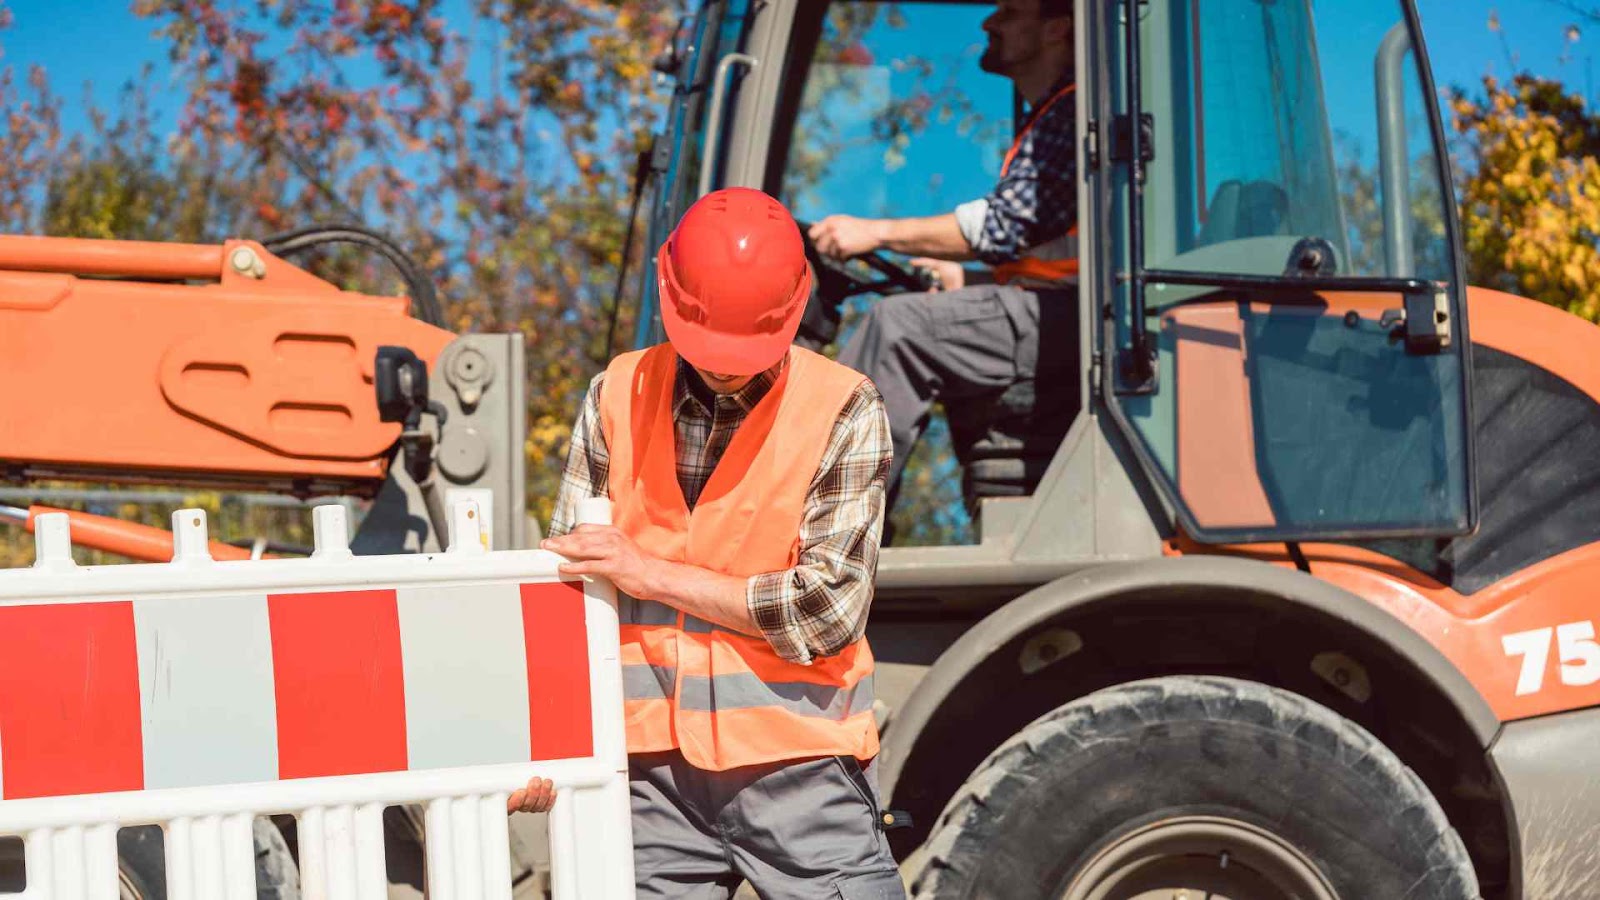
(842, 237)
(952, 275)
(605, 551)
(537, 797)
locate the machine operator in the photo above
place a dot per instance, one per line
(965, 341)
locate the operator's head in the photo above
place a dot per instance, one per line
(1027, 35)
(733, 282)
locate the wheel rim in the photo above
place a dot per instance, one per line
(1199, 858)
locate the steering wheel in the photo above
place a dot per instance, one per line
(836, 282)
(845, 283)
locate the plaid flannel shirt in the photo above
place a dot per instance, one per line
(1036, 200)
(819, 607)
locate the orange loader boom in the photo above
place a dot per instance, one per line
(207, 364)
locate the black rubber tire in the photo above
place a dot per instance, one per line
(1095, 769)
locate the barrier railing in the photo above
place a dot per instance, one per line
(199, 694)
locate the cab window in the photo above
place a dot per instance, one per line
(892, 115)
(885, 113)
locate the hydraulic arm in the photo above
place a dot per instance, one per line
(209, 364)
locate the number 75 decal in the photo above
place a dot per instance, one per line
(1580, 655)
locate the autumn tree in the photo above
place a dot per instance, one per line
(496, 146)
(1529, 164)
(502, 163)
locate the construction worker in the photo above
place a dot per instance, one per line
(967, 341)
(747, 480)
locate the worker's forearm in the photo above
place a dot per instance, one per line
(936, 236)
(709, 595)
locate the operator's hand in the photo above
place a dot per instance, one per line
(537, 797)
(952, 275)
(605, 551)
(842, 237)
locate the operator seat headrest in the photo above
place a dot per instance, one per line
(1241, 210)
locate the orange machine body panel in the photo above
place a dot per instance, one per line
(145, 361)
(1215, 445)
(1472, 630)
(1530, 642)
(1216, 439)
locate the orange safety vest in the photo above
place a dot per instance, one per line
(1056, 260)
(722, 698)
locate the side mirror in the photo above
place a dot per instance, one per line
(668, 60)
(401, 380)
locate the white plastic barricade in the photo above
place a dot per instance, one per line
(199, 694)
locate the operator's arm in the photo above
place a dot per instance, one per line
(939, 237)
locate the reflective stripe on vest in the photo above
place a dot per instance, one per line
(745, 691)
(1052, 262)
(726, 699)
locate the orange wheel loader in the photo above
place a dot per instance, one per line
(1281, 575)
(1279, 579)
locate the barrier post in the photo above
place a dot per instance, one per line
(596, 868)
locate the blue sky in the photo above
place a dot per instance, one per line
(1464, 49)
(102, 42)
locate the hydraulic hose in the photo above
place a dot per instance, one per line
(425, 299)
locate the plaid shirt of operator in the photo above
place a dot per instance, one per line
(819, 607)
(1036, 200)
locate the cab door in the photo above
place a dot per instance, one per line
(1286, 344)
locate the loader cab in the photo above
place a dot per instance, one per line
(1272, 326)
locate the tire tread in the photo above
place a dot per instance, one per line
(1110, 714)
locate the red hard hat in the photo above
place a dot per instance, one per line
(734, 282)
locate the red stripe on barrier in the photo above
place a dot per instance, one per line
(69, 700)
(340, 683)
(559, 718)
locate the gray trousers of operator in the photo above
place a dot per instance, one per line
(919, 348)
(801, 830)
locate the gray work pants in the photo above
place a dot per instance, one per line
(955, 345)
(802, 830)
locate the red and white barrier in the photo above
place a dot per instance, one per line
(199, 694)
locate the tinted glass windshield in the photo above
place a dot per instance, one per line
(1288, 120)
